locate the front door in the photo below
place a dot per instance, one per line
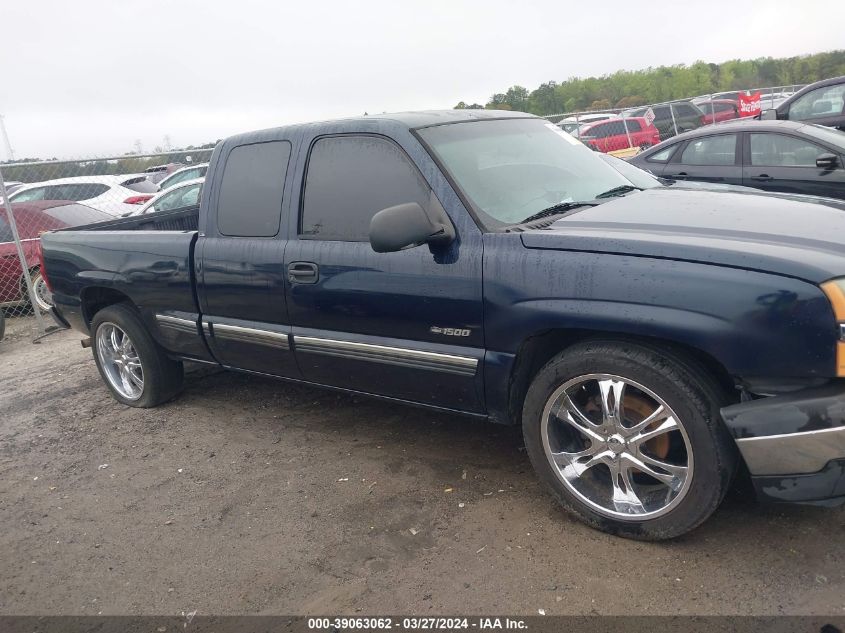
(405, 324)
(780, 162)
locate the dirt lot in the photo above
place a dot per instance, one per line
(248, 495)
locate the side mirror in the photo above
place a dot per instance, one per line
(408, 225)
(827, 161)
(769, 115)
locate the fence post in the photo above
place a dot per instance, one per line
(674, 122)
(39, 320)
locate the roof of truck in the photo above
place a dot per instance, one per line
(411, 120)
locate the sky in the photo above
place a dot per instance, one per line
(91, 77)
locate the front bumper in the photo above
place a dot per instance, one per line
(794, 444)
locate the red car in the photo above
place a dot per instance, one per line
(718, 110)
(611, 135)
(32, 219)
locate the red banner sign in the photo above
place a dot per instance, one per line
(749, 104)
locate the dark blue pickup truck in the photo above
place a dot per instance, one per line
(650, 343)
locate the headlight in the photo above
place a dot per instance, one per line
(835, 291)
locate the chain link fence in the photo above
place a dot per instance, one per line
(627, 131)
(39, 196)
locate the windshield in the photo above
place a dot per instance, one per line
(511, 169)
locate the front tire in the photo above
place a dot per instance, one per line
(628, 438)
(135, 369)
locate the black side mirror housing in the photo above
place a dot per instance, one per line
(827, 161)
(408, 225)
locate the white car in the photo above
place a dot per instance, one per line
(185, 194)
(115, 195)
(571, 123)
(191, 172)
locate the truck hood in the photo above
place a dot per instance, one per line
(765, 233)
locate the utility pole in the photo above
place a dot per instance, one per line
(10, 154)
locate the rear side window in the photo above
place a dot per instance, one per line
(710, 150)
(250, 203)
(76, 191)
(30, 194)
(350, 179)
(663, 155)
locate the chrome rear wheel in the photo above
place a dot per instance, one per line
(120, 361)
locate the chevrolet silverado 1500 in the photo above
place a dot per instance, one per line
(488, 264)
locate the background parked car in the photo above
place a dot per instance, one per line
(115, 195)
(157, 173)
(181, 196)
(32, 219)
(822, 102)
(182, 175)
(571, 123)
(683, 115)
(771, 155)
(617, 134)
(718, 110)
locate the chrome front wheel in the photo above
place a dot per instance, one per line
(617, 446)
(120, 361)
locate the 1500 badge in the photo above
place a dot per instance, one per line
(449, 331)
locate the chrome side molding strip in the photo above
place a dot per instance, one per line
(416, 359)
(792, 453)
(246, 335)
(176, 323)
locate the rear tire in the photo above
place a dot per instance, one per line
(134, 367)
(43, 296)
(586, 451)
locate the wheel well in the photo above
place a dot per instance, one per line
(537, 350)
(96, 298)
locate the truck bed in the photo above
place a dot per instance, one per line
(177, 220)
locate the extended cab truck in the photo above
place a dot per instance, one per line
(488, 264)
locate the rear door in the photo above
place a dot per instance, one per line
(714, 158)
(240, 260)
(782, 162)
(406, 324)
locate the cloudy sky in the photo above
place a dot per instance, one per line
(89, 77)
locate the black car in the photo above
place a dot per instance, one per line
(822, 102)
(771, 155)
(671, 118)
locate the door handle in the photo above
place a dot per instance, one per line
(762, 178)
(679, 176)
(303, 273)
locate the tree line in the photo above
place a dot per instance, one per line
(626, 88)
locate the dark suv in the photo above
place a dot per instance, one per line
(822, 103)
(672, 118)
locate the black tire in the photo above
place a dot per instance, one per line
(162, 376)
(685, 387)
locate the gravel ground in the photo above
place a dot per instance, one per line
(248, 495)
